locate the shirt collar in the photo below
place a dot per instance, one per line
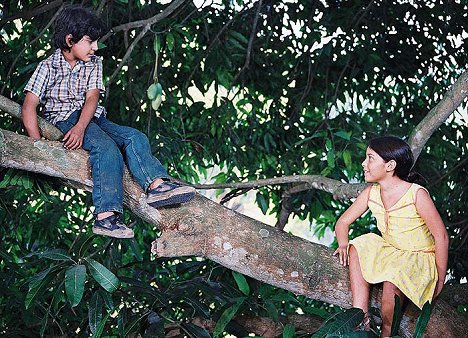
(58, 61)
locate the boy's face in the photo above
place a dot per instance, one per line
(83, 49)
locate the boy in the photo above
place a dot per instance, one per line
(68, 84)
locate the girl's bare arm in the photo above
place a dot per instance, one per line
(342, 225)
(427, 210)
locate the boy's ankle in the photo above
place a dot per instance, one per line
(156, 183)
(103, 215)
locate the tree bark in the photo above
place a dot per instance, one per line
(205, 228)
(456, 94)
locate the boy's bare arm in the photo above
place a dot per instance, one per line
(29, 116)
(74, 138)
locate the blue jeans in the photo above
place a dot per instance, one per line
(109, 146)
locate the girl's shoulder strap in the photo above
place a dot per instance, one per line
(374, 194)
(415, 188)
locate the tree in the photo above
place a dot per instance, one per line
(292, 106)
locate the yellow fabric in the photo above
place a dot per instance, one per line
(404, 254)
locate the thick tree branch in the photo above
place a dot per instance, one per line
(48, 130)
(456, 94)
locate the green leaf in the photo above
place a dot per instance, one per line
(226, 317)
(103, 276)
(272, 310)
(102, 324)
(422, 321)
(136, 249)
(53, 254)
(347, 159)
(343, 134)
(196, 330)
(75, 277)
(157, 44)
(239, 37)
(241, 283)
(331, 158)
(340, 323)
(397, 314)
(262, 202)
(36, 286)
(44, 324)
(289, 331)
(95, 311)
(170, 41)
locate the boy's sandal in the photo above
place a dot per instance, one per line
(169, 193)
(112, 226)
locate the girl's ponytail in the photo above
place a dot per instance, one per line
(415, 177)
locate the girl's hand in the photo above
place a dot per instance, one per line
(438, 288)
(342, 253)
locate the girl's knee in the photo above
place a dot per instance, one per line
(352, 253)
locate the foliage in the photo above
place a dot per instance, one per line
(343, 324)
(255, 89)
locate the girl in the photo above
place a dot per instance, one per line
(410, 257)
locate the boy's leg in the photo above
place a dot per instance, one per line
(145, 168)
(107, 171)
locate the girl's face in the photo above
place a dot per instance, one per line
(375, 168)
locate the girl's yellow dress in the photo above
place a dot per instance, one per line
(405, 254)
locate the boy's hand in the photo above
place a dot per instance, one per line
(342, 253)
(74, 138)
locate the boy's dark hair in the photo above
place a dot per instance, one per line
(77, 21)
(394, 148)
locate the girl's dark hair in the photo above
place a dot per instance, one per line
(77, 21)
(394, 148)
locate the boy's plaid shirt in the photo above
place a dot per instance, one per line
(61, 89)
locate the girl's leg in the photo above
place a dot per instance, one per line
(388, 304)
(359, 287)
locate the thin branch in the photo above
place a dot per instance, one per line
(29, 45)
(127, 55)
(101, 7)
(208, 51)
(337, 188)
(251, 39)
(36, 11)
(147, 22)
(363, 14)
(232, 194)
(286, 209)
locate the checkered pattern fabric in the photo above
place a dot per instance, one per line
(61, 89)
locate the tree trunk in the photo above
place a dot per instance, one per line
(205, 228)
